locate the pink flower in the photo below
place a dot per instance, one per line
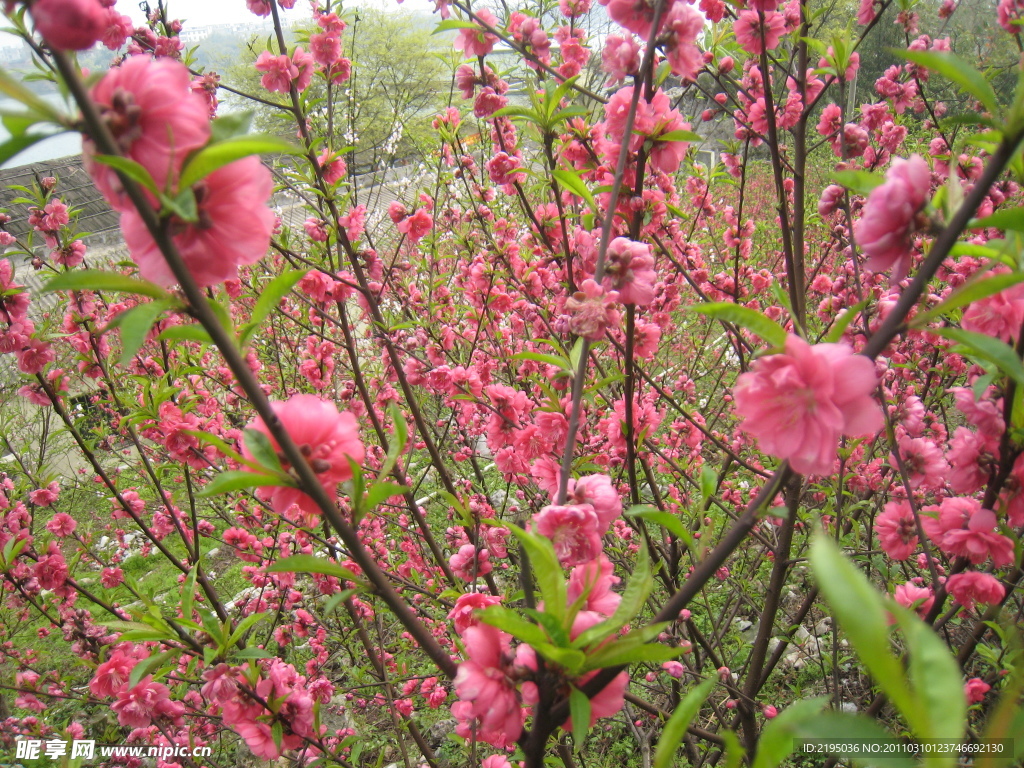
(44, 497)
(977, 542)
(1000, 315)
(328, 439)
(674, 669)
(621, 57)
(496, 761)
(278, 72)
(118, 28)
(592, 311)
(909, 594)
(305, 67)
(111, 577)
(975, 690)
(598, 492)
(890, 216)
(595, 579)
(112, 674)
(463, 615)
(417, 225)
(332, 166)
(73, 25)
(923, 461)
(484, 688)
(325, 47)
(896, 530)
(474, 41)
(62, 524)
(972, 587)
(136, 707)
(683, 24)
(798, 403)
(233, 228)
(634, 15)
(574, 530)
(469, 563)
(155, 118)
(630, 271)
(754, 36)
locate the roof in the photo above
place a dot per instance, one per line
(74, 187)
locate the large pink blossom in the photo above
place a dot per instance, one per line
(897, 530)
(486, 694)
(629, 269)
(798, 403)
(137, 707)
(328, 439)
(233, 227)
(574, 530)
(890, 216)
(595, 579)
(474, 41)
(757, 34)
(463, 615)
(973, 587)
(73, 25)
(278, 71)
(155, 118)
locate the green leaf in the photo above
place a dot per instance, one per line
(270, 296)
(447, 24)
(230, 126)
(540, 357)
(572, 181)
(98, 280)
(1005, 218)
(745, 317)
(188, 592)
(133, 170)
(147, 665)
(938, 687)
(675, 728)
(511, 622)
(546, 570)
(861, 182)
(777, 738)
(956, 69)
(987, 348)
(261, 449)
(12, 87)
(579, 709)
(861, 614)
(135, 324)
(835, 333)
(678, 136)
(708, 482)
(311, 564)
(843, 730)
(639, 587)
(215, 156)
(237, 479)
(569, 659)
(380, 492)
(971, 291)
(244, 626)
(666, 520)
(629, 650)
(252, 653)
(192, 332)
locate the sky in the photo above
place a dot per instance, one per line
(201, 13)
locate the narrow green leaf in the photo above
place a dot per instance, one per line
(579, 709)
(230, 126)
(133, 170)
(244, 626)
(448, 24)
(679, 135)
(835, 333)
(148, 665)
(572, 181)
(745, 317)
(629, 651)
(971, 291)
(509, 621)
(135, 324)
(216, 156)
(540, 357)
(777, 739)
(192, 332)
(666, 520)
(861, 614)
(380, 492)
(675, 728)
(1005, 218)
(273, 292)
(639, 587)
(311, 564)
(188, 592)
(861, 182)
(12, 87)
(98, 280)
(236, 480)
(546, 570)
(847, 730)
(952, 67)
(987, 348)
(569, 659)
(261, 449)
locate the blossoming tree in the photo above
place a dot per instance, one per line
(530, 463)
